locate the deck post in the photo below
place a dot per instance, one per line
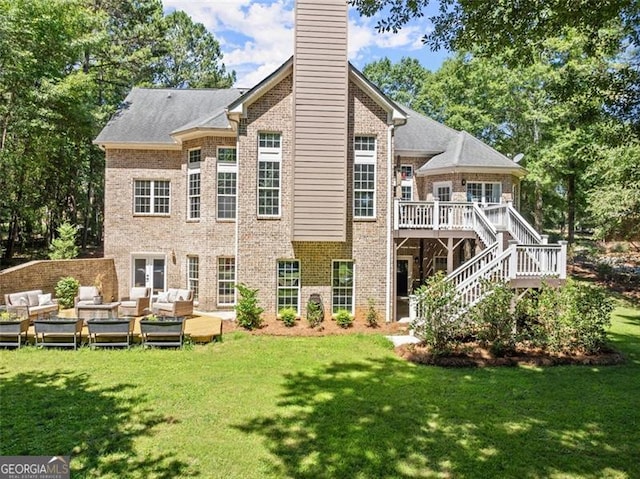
(396, 214)
(436, 215)
(545, 239)
(513, 259)
(563, 259)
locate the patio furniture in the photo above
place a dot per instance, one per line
(62, 332)
(90, 310)
(13, 332)
(31, 304)
(116, 332)
(136, 303)
(165, 331)
(174, 302)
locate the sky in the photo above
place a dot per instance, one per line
(256, 36)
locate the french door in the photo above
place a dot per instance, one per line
(150, 271)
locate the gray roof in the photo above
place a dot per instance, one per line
(150, 115)
(466, 151)
(422, 135)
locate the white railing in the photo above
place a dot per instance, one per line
(483, 228)
(435, 215)
(540, 261)
(505, 216)
(515, 262)
(520, 228)
(467, 269)
(471, 291)
(497, 215)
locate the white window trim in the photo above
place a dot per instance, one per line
(299, 287)
(440, 257)
(226, 167)
(366, 157)
(274, 155)
(190, 279)
(484, 190)
(218, 281)
(193, 168)
(407, 182)
(153, 197)
(442, 184)
(353, 283)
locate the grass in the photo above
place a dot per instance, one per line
(328, 407)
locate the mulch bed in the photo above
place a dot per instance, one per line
(472, 355)
(327, 328)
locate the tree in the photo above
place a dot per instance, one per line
(192, 58)
(614, 201)
(402, 81)
(64, 246)
(518, 31)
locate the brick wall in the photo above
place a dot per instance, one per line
(45, 274)
(172, 237)
(262, 242)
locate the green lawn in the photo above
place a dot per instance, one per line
(338, 407)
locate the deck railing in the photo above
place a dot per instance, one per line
(433, 215)
(505, 216)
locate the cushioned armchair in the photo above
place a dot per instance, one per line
(136, 303)
(174, 302)
(85, 296)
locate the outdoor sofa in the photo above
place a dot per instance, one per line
(31, 304)
(173, 302)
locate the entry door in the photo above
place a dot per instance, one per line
(402, 277)
(149, 271)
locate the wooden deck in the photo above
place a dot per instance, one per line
(200, 329)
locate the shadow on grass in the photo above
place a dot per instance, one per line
(384, 418)
(63, 413)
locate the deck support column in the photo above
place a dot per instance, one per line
(450, 249)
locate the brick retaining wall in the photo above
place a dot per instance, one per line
(45, 274)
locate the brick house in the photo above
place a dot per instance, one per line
(312, 182)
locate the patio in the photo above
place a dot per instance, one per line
(199, 328)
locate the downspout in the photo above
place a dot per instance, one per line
(390, 213)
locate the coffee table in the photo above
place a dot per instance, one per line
(104, 310)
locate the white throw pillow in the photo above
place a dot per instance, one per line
(23, 302)
(44, 299)
(163, 297)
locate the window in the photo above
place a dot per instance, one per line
(227, 183)
(226, 281)
(406, 174)
(442, 191)
(484, 192)
(269, 160)
(151, 197)
(193, 275)
(439, 264)
(342, 286)
(364, 177)
(193, 184)
(289, 285)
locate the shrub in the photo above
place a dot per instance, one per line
(574, 317)
(438, 308)
(66, 291)
(248, 313)
(494, 318)
(288, 316)
(372, 314)
(64, 246)
(585, 316)
(344, 318)
(314, 313)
